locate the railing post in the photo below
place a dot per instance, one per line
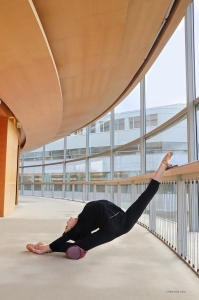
(133, 193)
(22, 179)
(181, 218)
(63, 191)
(42, 187)
(106, 191)
(142, 126)
(152, 214)
(119, 195)
(111, 194)
(73, 190)
(84, 193)
(94, 192)
(42, 190)
(193, 206)
(53, 187)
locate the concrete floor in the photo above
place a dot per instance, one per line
(134, 266)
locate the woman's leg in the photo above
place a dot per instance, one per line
(134, 212)
(95, 239)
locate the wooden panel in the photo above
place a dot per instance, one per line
(2, 189)
(8, 165)
(9, 198)
(11, 154)
(3, 139)
(98, 48)
(28, 80)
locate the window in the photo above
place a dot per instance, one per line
(99, 142)
(92, 128)
(166, 81)
(137, 122)
(172, 139)
(152, 120)
(101, 126)
(79, 132)
(134, 122)
(107, 126)
(124, 115)
(119, 124)
(131, 123)
(104, 126)
(127, 162)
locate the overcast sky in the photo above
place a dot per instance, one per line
(166, 81)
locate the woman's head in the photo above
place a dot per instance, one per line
(71, 223)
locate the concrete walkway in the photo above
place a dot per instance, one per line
(134, 266)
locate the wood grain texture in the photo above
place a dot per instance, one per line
(28, 80)
(8, 166)
(98, 47)
(3, 141)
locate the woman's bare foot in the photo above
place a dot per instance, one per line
(38, 248)
(166, 160)
(35, 246)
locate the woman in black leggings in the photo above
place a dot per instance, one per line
(110, 220)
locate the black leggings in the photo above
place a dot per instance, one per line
(115, 226)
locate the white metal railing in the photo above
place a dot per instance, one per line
(172, 215)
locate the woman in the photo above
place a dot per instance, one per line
(110, 220)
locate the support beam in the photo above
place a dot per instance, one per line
(142, 127)
(190, 80)
(112, 132)
(191, 118)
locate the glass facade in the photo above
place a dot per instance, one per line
(53, 173)
(111, 147)
(75, 171)
(99, 135)
(54, 151)
(33, 158)
(127, 119)
(166, 82)
(196, 33)
(99, 168)
(164, 142)
(76, 144)
(127, 162)
(32, 174)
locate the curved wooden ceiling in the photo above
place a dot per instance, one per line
(29, 84)
(64, 63)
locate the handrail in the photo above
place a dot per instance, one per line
(188, 171)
